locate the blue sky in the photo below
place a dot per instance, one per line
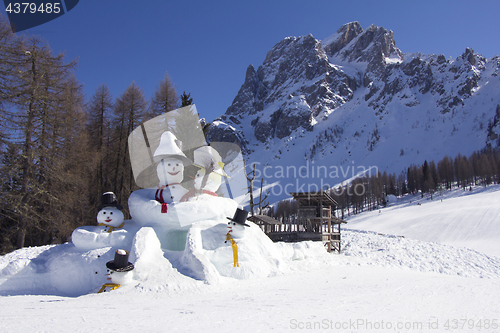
(206, 46)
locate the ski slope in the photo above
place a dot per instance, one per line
(459, 218)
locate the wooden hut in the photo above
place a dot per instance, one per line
(266, 223)
(314, 221)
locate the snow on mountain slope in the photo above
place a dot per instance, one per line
(460, 218)
(355, 100)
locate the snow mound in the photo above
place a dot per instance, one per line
(370, 248)
(62, 270)
(53, 270)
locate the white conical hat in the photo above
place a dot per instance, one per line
(168, 148)
(206, 157)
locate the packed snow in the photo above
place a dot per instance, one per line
(469, 218)
(380, 282)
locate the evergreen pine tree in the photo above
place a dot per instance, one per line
(186, 99)
(165, 98)
(129, 111)
(99, 117)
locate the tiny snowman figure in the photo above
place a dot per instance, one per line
(236, 225)
(236, 230)
(209, 176)
(119, 271)
(110, 215)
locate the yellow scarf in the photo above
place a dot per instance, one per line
(112, 285)
(111, 228)
(235, 249)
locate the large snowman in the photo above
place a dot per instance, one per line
(150, 207)
(170, 209)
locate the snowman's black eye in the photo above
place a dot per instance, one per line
(104, 213)
(111, 213)
(168, 164)
(177, 164)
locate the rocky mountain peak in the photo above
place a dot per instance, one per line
(342, 37)
(349, 95)
(469, 56)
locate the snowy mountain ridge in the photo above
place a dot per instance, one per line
(354, 99)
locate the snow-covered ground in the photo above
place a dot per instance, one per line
(460, 218)
(381, 282)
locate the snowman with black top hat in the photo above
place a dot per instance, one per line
(236, 225)
(110, 215)
(110, 229)
(236, 230)
(119, 271)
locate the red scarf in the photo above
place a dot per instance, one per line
(159, 196)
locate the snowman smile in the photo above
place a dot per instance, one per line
(108, 220)
(173, 173)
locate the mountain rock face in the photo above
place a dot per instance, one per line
(355, 100)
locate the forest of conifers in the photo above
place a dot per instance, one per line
(59, 151)
(368, 193)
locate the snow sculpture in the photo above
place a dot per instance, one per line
(162, 166)
(110, 230)
(170, 240)
(119, 271)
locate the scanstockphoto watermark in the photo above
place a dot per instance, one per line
(311, 177)
(363, 325)
(433, 324)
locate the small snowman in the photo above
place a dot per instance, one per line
(110, 215)
(119, 271)
(110, 230)
(236, 228)
(236, 225)
(209, 176)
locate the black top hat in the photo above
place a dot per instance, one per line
(240, 216)
(120, 263)
(108, 199)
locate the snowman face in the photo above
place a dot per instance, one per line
(198, 178)
(111, 216)
(170, 170)
(121, 278)
(213, 181)
(236, 230)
